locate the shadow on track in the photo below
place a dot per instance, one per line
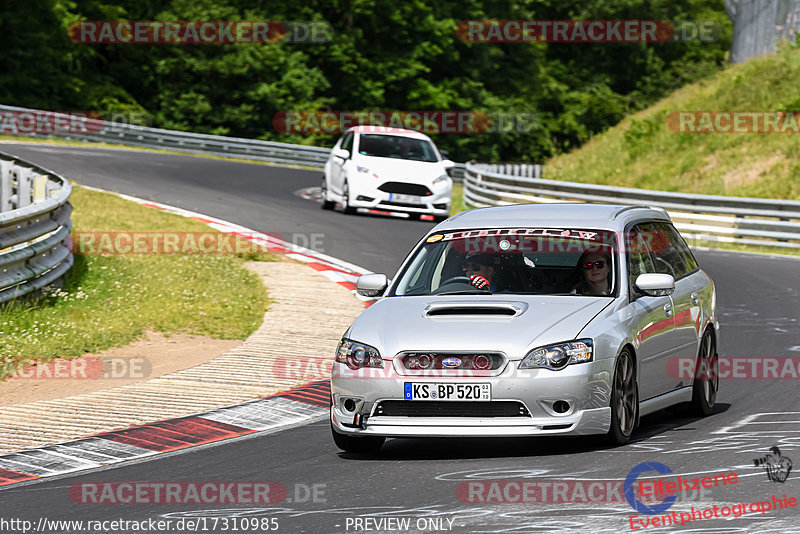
(476, 448)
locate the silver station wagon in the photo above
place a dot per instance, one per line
(529, 320)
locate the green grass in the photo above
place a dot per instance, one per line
(111, 300)
(642, 152)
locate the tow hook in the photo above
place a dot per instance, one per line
(360, 420)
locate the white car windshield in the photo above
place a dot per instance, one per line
(395, 146)
(541, 261)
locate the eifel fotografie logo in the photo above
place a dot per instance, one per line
(630, 489)
(777, 466)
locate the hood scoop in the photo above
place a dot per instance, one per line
(475, 309)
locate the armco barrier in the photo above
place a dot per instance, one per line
(703, 219)
(215, 145)
(34, 227)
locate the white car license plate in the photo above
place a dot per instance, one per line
(435, 391)
(411, 199)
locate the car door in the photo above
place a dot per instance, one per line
(689, 284)
(655, 323)
(338, 165)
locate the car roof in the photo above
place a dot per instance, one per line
(384, 130)
(556, 215)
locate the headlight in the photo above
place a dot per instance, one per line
(559, 355)
(442, 178)
(357, 355)
(359, 168)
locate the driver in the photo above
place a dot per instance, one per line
(406, 149)
(480, 270)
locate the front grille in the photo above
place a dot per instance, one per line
(401, 204)
(423, 361)
(405, 189)
(451, 409)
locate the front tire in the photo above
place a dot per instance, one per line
(706, 382)
(346, 209)
(357, 444)
(325, 204)
(624, 400)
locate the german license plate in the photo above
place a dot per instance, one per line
(434, 391)
(410, 199)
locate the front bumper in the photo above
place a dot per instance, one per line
(437, 204)
(585, 387)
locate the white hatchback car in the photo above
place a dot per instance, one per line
(387, 169)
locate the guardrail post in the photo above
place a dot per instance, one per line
(39, 187)
(6, 175)
(24, 187)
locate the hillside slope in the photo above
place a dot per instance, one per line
(642, 151)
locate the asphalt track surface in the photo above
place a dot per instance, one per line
(415, 478)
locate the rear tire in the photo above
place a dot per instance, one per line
(356, 444)
(705, 388)
(624, 400)
(325, 204)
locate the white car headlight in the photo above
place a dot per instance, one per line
(442, 178)
(357, 355)
(359, 168)
(559, 355)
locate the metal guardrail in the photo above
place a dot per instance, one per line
(215, 145)
(700, 218)
(34, 227)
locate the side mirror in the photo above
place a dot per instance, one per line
(655, 285)
(372, 285)
(341, 153)
(448, 164)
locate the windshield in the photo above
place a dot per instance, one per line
(395, 146)
(537, 261)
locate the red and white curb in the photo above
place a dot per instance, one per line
(284, 410)
(281, 411)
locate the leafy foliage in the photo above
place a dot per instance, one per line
(382, 55)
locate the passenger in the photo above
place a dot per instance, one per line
(595, 270)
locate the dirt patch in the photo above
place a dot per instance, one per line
(154, 356)
(747, 175)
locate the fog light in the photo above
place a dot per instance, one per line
(561, 406)
(349, 405)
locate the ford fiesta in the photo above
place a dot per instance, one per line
(387, 169)
(529, 320)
